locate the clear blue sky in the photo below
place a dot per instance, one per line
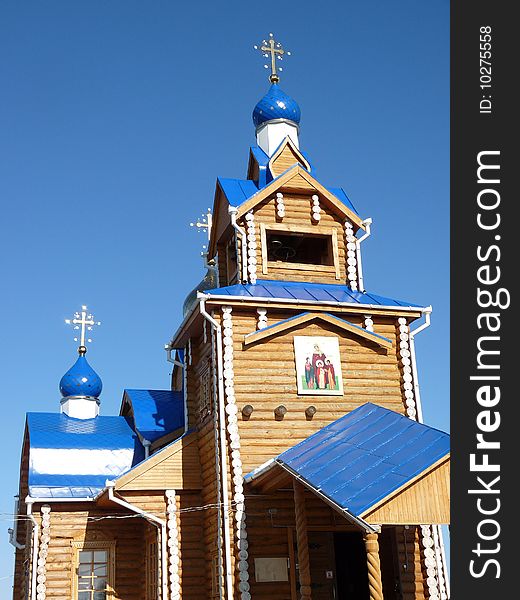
(117, 117)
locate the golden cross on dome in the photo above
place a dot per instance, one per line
(273, 49)
(83, 322)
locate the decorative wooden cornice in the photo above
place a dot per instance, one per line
(308, 317)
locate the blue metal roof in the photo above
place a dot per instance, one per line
(74, 457)
(294, 290)
(342, 196)
(365, 456)
(156, 412)
(238, 191)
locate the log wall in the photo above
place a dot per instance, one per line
(265, 377)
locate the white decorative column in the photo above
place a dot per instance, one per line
(173, 544)
(262, 318)
(280, 206)
(41, 568)
(316, 209)
(350, 240)
(443, 583)
(369, 323)
(405, 364)
(236, 461)
(430, 563)
(251, 247)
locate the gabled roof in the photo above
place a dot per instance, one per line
(262, 161)
(307, 317)
(156, 413)
(297, 156)
(238, 191)
(175, 466)
(244, 194)
(362, 458)
(300, 174)
(303, 291)
(74, 457)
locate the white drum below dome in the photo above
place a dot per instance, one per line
(80, 407)
(271, 134)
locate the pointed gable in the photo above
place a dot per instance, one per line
(286, 156)
(310, 317)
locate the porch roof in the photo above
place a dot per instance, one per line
(362, 458)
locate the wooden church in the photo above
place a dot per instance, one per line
(288, 460)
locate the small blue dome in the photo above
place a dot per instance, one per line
(276, 104)
(81, 380)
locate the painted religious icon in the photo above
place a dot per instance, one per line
(318, 366)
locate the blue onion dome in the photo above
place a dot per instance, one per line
(276, 104)
(81, 379)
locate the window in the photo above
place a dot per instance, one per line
(215, 579)
(93, 575)
(205, 389)
(300, 248)
(231, 260)
(94, 578)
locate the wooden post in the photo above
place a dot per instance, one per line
(375, 584)
(302, 541)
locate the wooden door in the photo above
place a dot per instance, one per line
(323, 568)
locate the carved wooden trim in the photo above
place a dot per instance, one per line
(173, 544)
(231, 409)
(288, 324)
(45, 538)
(405, 367)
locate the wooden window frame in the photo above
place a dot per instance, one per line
(205, 404)
(231, 251)
(267, 265)
(151, 574)
(110, 546)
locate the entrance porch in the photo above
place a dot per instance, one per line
(346, 514)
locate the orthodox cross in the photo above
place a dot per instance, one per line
(83, 321)
(204, 224)
(273, 49)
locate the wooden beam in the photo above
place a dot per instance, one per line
(297, 305)
(375, 584)
(302, 541)
(287, 324)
